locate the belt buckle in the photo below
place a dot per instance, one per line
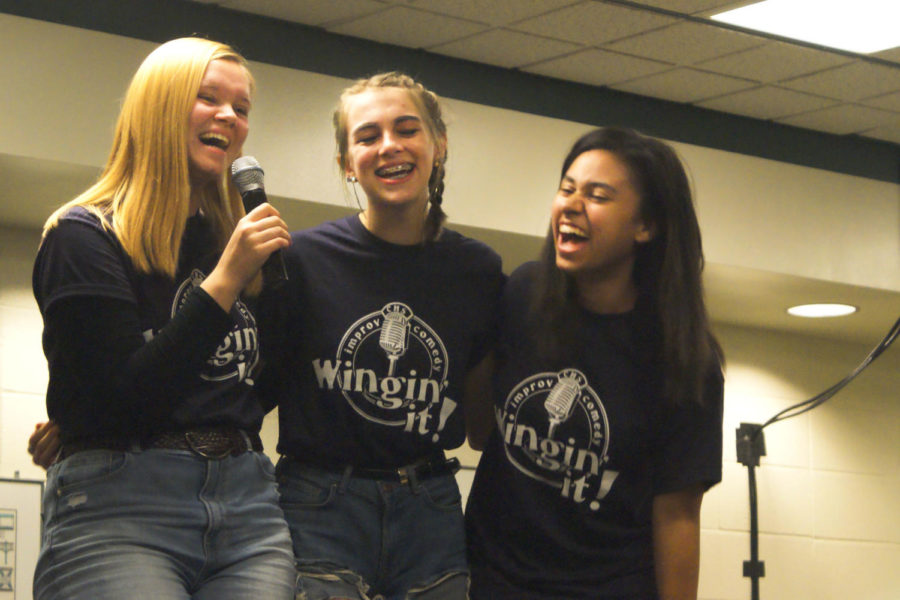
(403, 474)
(205, 449)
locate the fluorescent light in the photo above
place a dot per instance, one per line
(818, 311)
(862, 26)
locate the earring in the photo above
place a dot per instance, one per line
(352, 179)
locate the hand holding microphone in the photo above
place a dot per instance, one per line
(248, 176)
(254, 244)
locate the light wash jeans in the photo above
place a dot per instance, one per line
(163, 524)
(362, 538)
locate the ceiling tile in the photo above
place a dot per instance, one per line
(773, 62)
(854, 81)
(408, 27)
(505, 48)
(598, 67)
(685, 43)
(887, 102)
(493, 13)
(844, 118)
(642, 46)
(892, 54)
(888, 134)
(767, 102)
(593, 23)
(690, 7)
(309, 12)
(684, 85)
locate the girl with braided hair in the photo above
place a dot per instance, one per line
(385, 321)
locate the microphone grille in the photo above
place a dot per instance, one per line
(246, 173)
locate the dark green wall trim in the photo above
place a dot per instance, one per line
(311, 49)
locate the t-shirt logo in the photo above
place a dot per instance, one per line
(391, 367)
(555, 430)
(238, 353)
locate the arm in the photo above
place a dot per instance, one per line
(256, 236)
(278, 321)
(478, 404)
(92, 326)
(676, 543)
(478, 393)
(105, 378)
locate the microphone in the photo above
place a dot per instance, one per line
(393, 338)
(247, 176)
(560, 402)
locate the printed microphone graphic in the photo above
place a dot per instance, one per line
(393, 337)
(247, 176)
(561, 401)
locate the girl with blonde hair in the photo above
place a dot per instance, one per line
(161, 490)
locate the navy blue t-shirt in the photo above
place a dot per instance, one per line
(131, 354)
(562, 498)
(377, 339)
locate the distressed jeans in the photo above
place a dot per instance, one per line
(364, 539)
(163, 524)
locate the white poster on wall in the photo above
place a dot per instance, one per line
(20, 536)
(7, 553)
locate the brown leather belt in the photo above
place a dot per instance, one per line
(213, 442)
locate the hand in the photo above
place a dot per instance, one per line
(44, 444)
(255, 238)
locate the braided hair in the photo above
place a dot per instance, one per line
(430, 109)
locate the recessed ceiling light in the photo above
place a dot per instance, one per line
(817, 311)
(862, 26)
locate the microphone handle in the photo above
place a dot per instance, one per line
(252, 198)
(274, 271)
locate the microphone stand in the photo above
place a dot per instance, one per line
(751, 445)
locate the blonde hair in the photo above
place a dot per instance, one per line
(429, 107)
(144, 191)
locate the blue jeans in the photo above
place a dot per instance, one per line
(163, 524)
(362, 538)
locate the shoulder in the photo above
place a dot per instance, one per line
(80, 231)
(79, 256)
(324, 250)
(329, 233)
(79, 217)
(523, 277)
(518, 293)
(714, 388)
(468, 251)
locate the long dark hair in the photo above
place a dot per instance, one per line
(672, 326)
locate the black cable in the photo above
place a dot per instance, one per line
(822, 397)
(751, 446)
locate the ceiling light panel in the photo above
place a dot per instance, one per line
(862, 26)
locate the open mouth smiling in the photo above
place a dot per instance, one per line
(216, 140)
(395, 171)
(571, 233)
